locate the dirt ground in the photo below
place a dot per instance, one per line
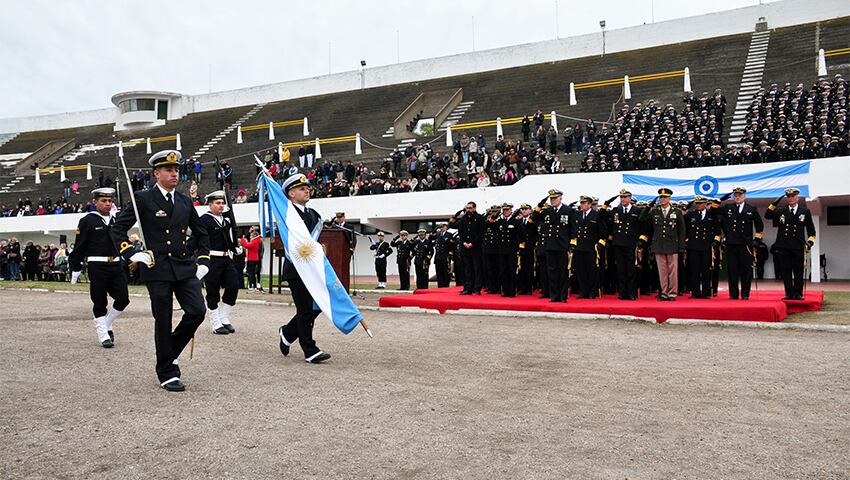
(429, 397)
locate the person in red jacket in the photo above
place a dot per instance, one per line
(252, 256)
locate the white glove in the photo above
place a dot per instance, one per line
(142, 257)
(379, 256)
(239, 250)
(202, 270)
(75, 276)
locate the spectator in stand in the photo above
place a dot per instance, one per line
(526, 128)
(197, 166)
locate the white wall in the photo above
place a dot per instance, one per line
(778, 14)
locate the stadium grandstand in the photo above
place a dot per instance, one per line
(755, 79)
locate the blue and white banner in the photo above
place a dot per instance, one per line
(305, 252)
(764, 183)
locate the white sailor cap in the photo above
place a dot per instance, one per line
(293, 181)
(104, 192)
(216, 195)
(166, 157)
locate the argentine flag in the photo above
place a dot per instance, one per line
(764, 183)
(305, 252)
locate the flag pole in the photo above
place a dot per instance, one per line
(264, 171)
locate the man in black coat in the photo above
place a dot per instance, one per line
(794, 237)
(404, 254)
(94, 245)
(168, 267)
(443, 251)
(742, 226)
(423, 251)
(222, 272)
(470, 225)
(509, 235)
(526, 255)
(382, 251)
(490, 248)
(589, 244)
(557, 228)
(300, 327)
(625, 228)
(702, 233)
(339, 222)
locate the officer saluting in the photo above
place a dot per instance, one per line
(443, 248)
(556, 230)
(702, 233)
(509, 234)
(222, 272)
(382, 251)
(422, 253)
(625, 228)
(795, 223)
(167, 269)
(525, 256)
(404, 253)
(738, 221)
(589, 245)
(106, 276)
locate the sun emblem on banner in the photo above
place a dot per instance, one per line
(306, 250)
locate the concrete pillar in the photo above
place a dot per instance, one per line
(148, 145)
(120, 149)
(88, 171)
(62, 173)
(358, 149)
(499, 127)
(37, 177)
(318, 149)
(553, 120)
(306, 130)
(627, 90)
(449, 141)
(572, 94)
(271, 131)
(179, 145)
(239, 134)
(687, 79)
(821, 63)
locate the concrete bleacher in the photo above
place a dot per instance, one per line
(713, 63)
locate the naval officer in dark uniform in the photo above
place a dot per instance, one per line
(404, 253)
(300, 327)
(742, 227)
(794, 237)
(382, 251)
(557, 228)
(509, 234)
(423, 250)
(589, 245)
(168, 267)
(701, 234)
(443, 251)
(525, 254)
(625, 228)
(94, 246)
(222, 272)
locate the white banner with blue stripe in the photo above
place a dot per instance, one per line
(764, 183)
(307, 255)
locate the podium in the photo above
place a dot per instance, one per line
(335, 245)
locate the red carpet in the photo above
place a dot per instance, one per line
(763, 306)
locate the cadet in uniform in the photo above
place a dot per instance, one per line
(94, 245)
(470, 225)
(222, 269)
(738, 222)
(589, 245)
(443, 251)
(668, 240)
(795, 224)
(300, 327)
(625, 228)
(509, 235)
(339, 222)
(382, 251)
(167, 268)
(557, 228)
(702, 233)
(404, 253)
(526, 256)
(422, 253)
(491, 251)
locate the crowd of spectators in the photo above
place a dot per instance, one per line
(33, 262)
(26, 207)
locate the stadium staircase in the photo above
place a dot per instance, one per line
(751, 81)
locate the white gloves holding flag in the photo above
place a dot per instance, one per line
(202, 271)
(142, 257)
(75, 276)
(238, 250)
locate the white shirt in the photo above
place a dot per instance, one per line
(741, 208)
(163, 191)
(794, 210)
(105, 218)
(626, 209)
(702, 215)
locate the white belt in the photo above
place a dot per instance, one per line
(219, 253)
(103, 259)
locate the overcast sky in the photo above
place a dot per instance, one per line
(59, 56)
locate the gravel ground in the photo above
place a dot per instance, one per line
(429, 397)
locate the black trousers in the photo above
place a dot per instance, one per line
(556, 271)
(491, 272)
(443, 276)
(222, 274)
(624, 260)
(791, 270)
(170, 343)
(422, 273)
(472, 273)
(740, 264)
(254, 274)
(300, 327)
(586, 271)
(542, 274)
(507, 273)
(404, 274)
(715, 271)
(107, 279)
(525, 274)
(699, 272)
(460, 273)
(381, 269)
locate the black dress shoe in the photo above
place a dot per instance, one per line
(221, 331)
(111, 335)
(174, 385)
(230, 328)
(789, 297)
(319, 357)
(543, 296)
(798, 297)
(284, 349)
(107, 343)
(465, 292)
(745, 298)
